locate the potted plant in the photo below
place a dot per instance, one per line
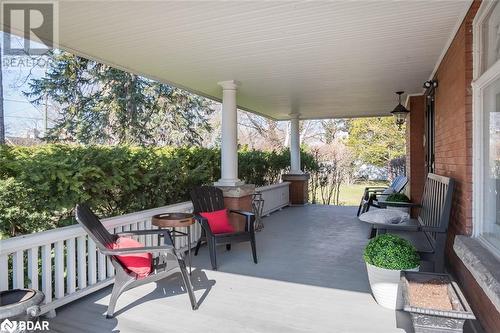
(398, 197)
(386, 256)
(435, 303)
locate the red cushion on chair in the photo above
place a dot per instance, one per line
(218, 221)
(138, 263)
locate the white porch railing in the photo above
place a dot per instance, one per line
(276, 196)
(65, 264)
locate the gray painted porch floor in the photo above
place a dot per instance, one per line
(310, 278)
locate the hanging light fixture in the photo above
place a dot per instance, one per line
(400, 111)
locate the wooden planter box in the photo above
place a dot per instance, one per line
(428, 320)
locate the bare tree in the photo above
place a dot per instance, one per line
(335, 166)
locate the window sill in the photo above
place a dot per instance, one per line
(483, 265)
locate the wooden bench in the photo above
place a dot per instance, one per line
(374, 193)
(428, 231)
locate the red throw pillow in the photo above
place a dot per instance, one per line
(138, 263)
(218, 221)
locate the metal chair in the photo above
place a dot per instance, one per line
(209, 199)
(372, 194)
(166, 260)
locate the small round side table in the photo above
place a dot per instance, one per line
(176, 220)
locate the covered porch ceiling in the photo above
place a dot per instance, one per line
(319, 59)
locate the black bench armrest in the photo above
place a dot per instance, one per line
(384, 204)
(242, 212)
(249, 218)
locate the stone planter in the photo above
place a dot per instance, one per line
(384, 284)
(20, 306)
(428, 320)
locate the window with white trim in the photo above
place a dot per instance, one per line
(491, 163)
(486, 119)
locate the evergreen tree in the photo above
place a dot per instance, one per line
(99, 104)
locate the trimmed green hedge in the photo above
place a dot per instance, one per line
(39, 186)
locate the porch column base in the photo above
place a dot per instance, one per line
(299, 187)
(229, 183)
(238, 197)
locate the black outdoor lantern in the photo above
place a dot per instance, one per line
(400, 111)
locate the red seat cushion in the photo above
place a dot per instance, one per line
(138, 263)
(218, 221)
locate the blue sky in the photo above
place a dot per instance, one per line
(21, 116)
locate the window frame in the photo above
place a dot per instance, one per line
(482, 79)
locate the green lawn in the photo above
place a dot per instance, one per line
(351, 194)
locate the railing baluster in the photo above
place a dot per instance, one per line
(92, 264)
(70, 266)
(149, 238)
(18, 269)
(59, 269)
(142, 226)
(33, 267)
(81, 254)
(133, 227)
(110, 270)
(154, 237)
(47, 272)
(101, 266)
(4, 272)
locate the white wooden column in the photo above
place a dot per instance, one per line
(229, 147)
(295, 144)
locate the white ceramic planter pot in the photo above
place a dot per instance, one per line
(385, 286)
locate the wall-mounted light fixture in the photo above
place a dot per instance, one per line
(431, 84)
(430, 89)
(400, 111)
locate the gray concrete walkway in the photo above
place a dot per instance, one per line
(310, 278)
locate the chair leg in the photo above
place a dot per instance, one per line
(197, 247)
(254, 249)
(228, 247)
(360, 206)
(203, 236)
(187, 283)
(121, 282)
(213, 252)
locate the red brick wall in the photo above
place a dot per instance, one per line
(453, 153)
(453, 156)
(415, 152)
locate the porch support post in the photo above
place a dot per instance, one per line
(237, 194)
(295, 144)
(229, 147)
(299, 181)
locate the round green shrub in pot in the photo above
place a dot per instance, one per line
(386, 256)
(391, 252)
